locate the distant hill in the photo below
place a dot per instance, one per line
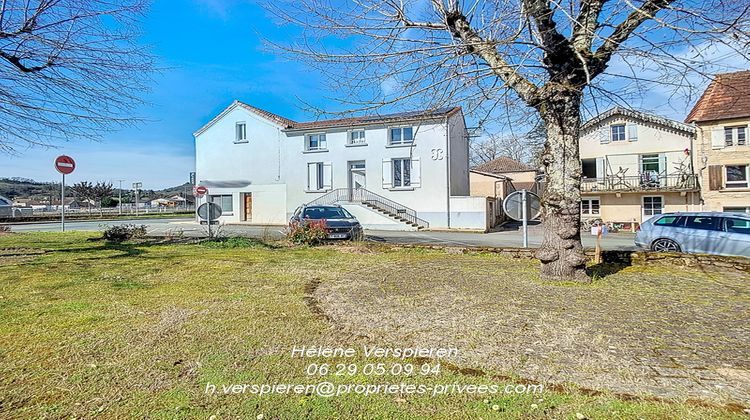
(15, 188)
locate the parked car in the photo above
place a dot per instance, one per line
(697, 232)
(340, 223)
(6, 207)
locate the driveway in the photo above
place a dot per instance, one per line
(511, 238)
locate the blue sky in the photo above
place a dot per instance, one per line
(212, 53)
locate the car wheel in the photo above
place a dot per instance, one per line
(665, 245)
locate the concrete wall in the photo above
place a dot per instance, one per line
(705, 154)
(469, 213)
(459, 155)
(485, 186)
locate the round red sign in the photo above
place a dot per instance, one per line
(201, 190)
(65, 164)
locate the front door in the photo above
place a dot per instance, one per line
(248, 215)
(357, 178)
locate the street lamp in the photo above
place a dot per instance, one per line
(119, 199)
(137, 186)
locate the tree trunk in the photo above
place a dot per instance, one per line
(561, 252)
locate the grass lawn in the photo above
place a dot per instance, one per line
(139, 330)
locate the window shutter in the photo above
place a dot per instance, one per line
(600, 167)
(416, 178)
(327, 175)
(605, 134)
(322, 144)
(714, 177)
(717, 138)
(632, 132)
(387, 174)
(312, 176)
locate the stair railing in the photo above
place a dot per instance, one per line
(366, 197)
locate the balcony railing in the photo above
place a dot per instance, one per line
(647, 181)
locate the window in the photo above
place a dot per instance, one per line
(589, 168)
(736, 209)
(240, 132)
(401, 173)
(618, 132)
(737, 225)
(316, 142)
(670, 221)
(315, 176)
(357, 137)
(735, 136)
(224, 201)
(702, 222)
(650, 163)
(402, 135)
(590, 206)
(652, 206)
(737, 176)
(328, 213)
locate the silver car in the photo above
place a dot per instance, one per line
(6, 207)
(697, 232)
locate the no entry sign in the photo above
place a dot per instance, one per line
(65, 164)
(201, 190)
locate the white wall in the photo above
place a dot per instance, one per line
(469, 213)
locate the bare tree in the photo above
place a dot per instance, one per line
(525, 148)
(68, 69)
(494, 56)
(83, 191)
(100, 191)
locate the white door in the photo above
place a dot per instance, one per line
(651, 206)
(357, 177)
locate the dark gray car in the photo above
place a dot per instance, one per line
(340, 223)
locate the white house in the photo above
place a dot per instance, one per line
(398, 171)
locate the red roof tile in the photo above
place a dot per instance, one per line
(728, 96)
(501, 165)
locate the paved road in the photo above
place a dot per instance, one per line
(619, 241)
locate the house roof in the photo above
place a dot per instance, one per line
(728, 96)
(377, 119)
(291, 125)
(501, 165)
(638, 115)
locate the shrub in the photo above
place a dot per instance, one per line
(312, 232)
(123, 233)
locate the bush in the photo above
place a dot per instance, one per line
(312, 232)
(123, 233)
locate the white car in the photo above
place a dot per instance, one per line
(697, 232)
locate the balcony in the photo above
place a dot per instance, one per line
(644, 182)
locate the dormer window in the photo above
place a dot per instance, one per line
(618, 132)
(401, 135)
(240, 132)
(315, 142)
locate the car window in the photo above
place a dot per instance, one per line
(702, 222)
(737, 225)
(326, 213)
(670, 221)
(3, 202)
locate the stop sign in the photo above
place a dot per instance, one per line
(201, 190)
(65, 164)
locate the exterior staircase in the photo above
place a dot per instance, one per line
(386, 207)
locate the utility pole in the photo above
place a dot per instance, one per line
(119, 197)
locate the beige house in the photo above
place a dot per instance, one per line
(722, 149)
(636, 165)
(498, 178)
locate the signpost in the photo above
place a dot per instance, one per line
(65, 165)
(523, 206)
(209, 214)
